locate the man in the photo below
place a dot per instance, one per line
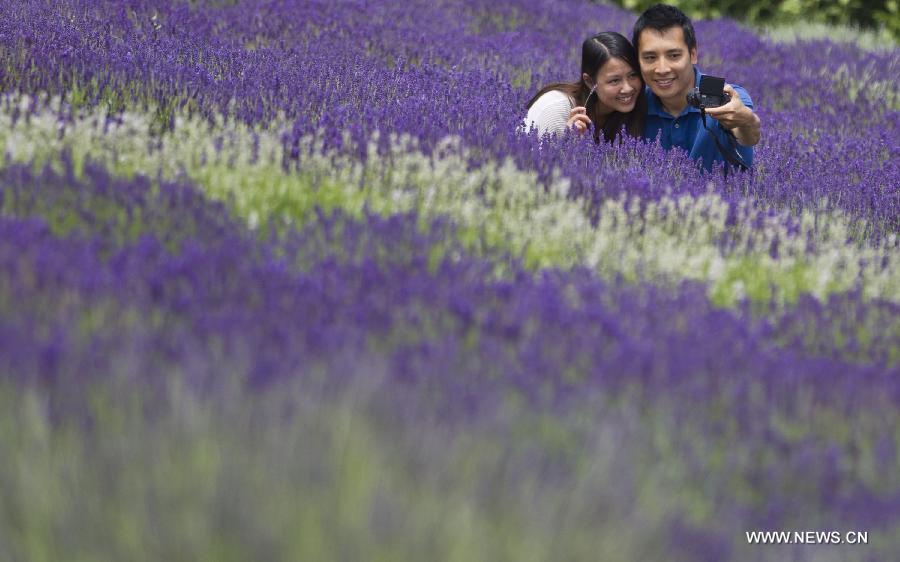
(667, 52)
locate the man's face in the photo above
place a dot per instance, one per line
(667, 64)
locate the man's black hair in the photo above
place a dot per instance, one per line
(662, 17)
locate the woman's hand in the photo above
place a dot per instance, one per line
(578, 120)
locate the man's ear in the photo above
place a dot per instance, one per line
(694, 55)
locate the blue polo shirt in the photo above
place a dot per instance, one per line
(686, 130)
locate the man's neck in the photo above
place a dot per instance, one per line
(675, 106)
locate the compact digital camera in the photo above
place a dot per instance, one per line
(710, 93)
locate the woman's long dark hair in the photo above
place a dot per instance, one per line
(595, 51)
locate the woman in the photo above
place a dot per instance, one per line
(609, 95)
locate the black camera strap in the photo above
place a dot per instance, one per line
(732, 156)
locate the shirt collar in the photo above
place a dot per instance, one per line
(655, 107)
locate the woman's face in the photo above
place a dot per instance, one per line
(618, 86)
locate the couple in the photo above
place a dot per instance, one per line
(612, 94)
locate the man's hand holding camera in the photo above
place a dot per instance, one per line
(738, 118)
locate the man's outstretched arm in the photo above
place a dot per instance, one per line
(738, 118)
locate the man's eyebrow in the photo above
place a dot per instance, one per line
(668, 51)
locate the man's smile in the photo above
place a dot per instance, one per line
(664, 82)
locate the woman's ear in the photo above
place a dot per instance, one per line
(587, 79)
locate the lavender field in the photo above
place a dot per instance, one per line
(282, 280)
